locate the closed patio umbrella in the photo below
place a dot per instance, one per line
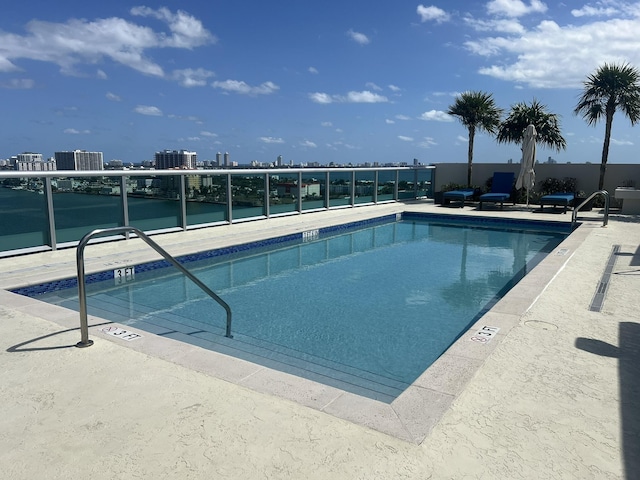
(527, 175)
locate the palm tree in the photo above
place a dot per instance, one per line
(612, 87)
(536, 114)
(476, 110)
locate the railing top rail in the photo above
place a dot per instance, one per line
(213, 171)
(82, 295)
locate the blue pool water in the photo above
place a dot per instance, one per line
(366, 309)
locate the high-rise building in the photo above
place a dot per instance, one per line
(219, 159)
(32, 162)
(227, 162)
(175, 159)
(79, 160)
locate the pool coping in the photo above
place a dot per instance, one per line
(410, 417)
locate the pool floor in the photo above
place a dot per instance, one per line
(366, 311)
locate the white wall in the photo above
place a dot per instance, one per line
(586, 175)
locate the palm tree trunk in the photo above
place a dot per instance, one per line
(605, 149)
(472, 134)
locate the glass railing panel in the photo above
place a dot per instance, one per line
(283, 193)
(206, 199)
(364, 186)
(247, 195)
(386, 185)
(23, 214)
(154, 202)
(425, 184)
(83, 204)
(406, 184)
(339, 188)
(313, 197)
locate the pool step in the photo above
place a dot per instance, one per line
(211, 336)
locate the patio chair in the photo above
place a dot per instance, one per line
(457, 196)
(563, 199)
(501, 188)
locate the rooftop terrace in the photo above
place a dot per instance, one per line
(554, 395)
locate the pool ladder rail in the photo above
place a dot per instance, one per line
(605, 194)
(82, 293)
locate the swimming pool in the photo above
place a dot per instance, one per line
(366, 308)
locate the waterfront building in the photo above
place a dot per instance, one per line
(79, 160)
(175, 159)
(286, 189)
(32, 162)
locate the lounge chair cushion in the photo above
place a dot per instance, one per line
(562, 199)
(457, 195)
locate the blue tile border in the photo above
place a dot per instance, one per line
(558, 227)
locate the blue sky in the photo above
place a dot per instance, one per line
(313, 81)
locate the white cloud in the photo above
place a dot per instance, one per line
(240, 87)
(460, 138)
(388, 121)
(427, 142)
(503, 25)
(515, 8)
(436, 115)
(372, 86)
(327, 124)
(308, 144)
(358, 37)
(113, 97)
(271, 140)
(432, 13)
(403, 117)
(313, 70)
(208, 134)
(190, 77)
(18, 83)
(319, 97)
(79, 41)
(589, 11)
(148, 110)
(366, 97)
(621, 142)
(101, 75)
(531, 58)
(187, 31)
(405, 139)
(446, 94)
(351, 97)
(394, 88)
(73, 131)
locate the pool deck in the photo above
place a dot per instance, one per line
(555, 395)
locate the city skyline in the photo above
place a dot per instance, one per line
(311, 82)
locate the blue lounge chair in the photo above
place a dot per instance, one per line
(457, 196)
(501, 188)
(562, 199)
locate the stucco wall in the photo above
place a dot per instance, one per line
(586, 175)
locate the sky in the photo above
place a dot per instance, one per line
(326, 81)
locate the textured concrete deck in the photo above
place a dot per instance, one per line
(555, 395)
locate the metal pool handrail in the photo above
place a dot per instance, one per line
(82, 294)
(605, 194)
